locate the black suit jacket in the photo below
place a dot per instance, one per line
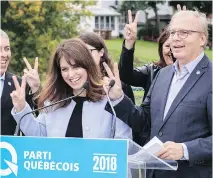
(8, 124)
(138, 77)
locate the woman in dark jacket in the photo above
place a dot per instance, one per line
(100, 54)
(143, 76)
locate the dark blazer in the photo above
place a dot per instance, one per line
(189, 119)
(138, 77)
(8, 123)
(128, 91)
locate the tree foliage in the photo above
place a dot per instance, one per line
(36, 27)
(132, 5)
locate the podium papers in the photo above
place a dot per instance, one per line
(140, 159)
(154, 145)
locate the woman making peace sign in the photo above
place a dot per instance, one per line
(85, 116)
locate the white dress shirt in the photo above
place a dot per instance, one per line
(2, 79)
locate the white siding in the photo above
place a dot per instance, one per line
(88, 24)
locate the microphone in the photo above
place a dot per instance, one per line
(111, 83)
(112, 134)
(17, 130)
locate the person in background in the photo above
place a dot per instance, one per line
(99, 51)
(142, 76)
(71, 66)
(8, 124)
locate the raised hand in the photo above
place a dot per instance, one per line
(130, 30)
(179, 8)
(31, 75)
(116, 91)
(18, 95)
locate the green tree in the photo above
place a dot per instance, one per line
(35, 28)
(153, 6)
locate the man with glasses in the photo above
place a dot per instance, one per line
(178, 106)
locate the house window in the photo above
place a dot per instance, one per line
(96, 22)
(105, 23)
(102, 22)
(112, 23)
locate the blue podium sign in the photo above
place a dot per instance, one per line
(39, 157)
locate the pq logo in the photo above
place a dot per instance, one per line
(12, 165)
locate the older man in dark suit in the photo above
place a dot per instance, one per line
(178, 107)
(8, 124)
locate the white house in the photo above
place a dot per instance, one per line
(102, 19)
(106, 18)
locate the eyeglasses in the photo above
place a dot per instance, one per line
(182, 33)
(92, 49)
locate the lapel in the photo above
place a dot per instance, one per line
(190, 82)
(8, 88)
(59, 120)
(164, 88)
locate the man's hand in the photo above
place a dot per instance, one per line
(18, 95)
(116, 91)
(130, 30)
(172, 151)
(31, 75)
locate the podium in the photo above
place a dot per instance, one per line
(34, 157)
(139, 160)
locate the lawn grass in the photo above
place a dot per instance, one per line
(138, 97)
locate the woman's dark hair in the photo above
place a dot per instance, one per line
(161, 40)
(56, 88)
(93, 39)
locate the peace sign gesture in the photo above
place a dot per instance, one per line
(179, 8)
(130, 30)
(18, 95)
(31, 75)
(116, 91)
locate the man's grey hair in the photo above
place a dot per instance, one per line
(201, 19)
(3, 34)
